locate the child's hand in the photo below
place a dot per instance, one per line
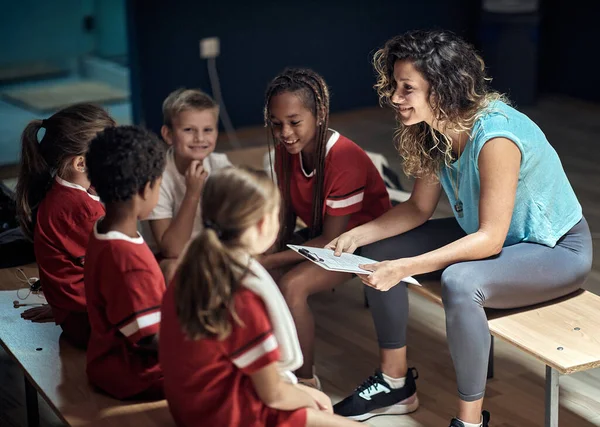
(195, 175)
(41, 314)
(322, 401)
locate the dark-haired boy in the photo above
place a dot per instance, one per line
(123, 282)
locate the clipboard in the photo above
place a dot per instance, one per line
(346, 263)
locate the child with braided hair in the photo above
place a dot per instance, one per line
(326, 180)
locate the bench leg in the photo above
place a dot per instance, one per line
(31, 400)
(490, 373)
(552, 388)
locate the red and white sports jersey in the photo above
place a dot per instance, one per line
(207, 381)
(352, 184)
(124, 288)
(64, 221)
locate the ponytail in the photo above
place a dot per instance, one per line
(68, 134)
(216, 261)
(204, 309)
(35, 177)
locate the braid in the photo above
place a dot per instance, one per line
(321, 95)
(282, 166)
(315, 94)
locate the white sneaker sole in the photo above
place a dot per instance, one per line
(398, 409)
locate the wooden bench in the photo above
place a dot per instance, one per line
(56, 370)
(564, 334)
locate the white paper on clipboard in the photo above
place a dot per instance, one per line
(347, 263)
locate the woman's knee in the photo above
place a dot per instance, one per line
(461, 285)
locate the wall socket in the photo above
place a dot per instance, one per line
(209, 47)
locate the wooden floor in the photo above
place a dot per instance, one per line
(346, 346)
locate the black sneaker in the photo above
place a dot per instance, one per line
(485, 415)
(376, 397)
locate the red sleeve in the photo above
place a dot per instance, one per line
(346, 189)
(134, 305)
(252, 345)
(79, 236)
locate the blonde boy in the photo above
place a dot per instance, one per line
(190, 128)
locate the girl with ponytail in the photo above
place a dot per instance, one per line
(56, 209)
(220, 343)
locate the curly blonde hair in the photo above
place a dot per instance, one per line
(457, 78)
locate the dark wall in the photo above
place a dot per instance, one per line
(259, 39)
(570, 48)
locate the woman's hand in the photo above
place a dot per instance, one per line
(41, 314)
(346, 242)
(386, 274)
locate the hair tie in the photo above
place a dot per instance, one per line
(212, 226)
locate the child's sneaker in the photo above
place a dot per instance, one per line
(376, 397)
(485, 416)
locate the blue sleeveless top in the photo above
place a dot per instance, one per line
(546, 206)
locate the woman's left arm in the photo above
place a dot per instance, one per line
(499, 166)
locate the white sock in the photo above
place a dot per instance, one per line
(394, 382)
(480, 424)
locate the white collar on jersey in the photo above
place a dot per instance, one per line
(330, 143)
(117, 235)
(75, 186)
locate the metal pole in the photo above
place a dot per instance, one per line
(552, 399)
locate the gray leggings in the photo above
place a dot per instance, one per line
(521, 275)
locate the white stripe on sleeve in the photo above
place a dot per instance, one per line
(344, 203)
(254, 353)
(140, 323)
